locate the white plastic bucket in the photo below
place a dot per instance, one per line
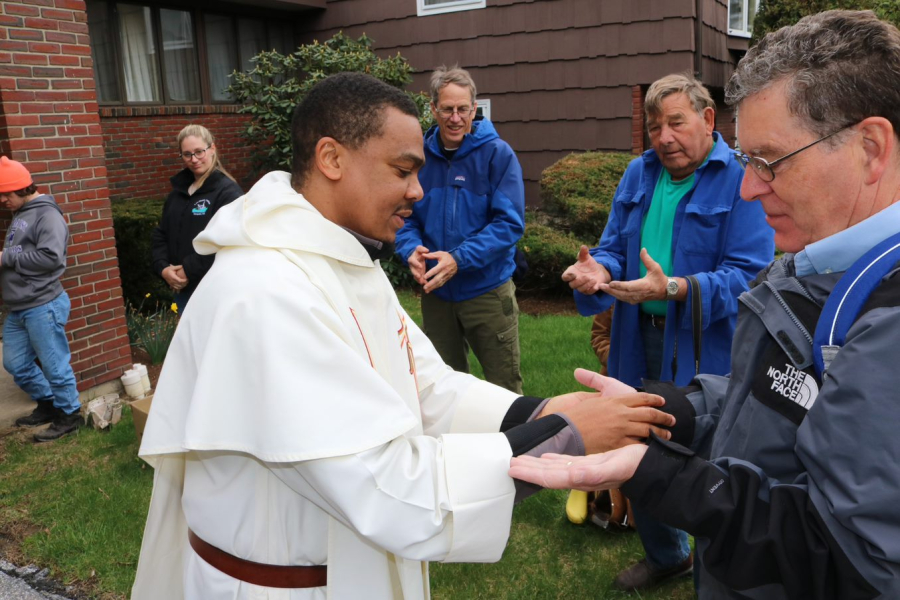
(145, 378)
(132, 382)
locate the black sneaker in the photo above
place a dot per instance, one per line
(44, 413)
(62, 425)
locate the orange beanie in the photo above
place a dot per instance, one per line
(13, 176)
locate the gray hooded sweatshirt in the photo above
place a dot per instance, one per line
(34, 254)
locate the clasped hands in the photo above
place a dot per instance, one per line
(175, 277)
(612, 421)
(589, 277)
(438, 275)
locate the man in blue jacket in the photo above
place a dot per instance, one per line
(460, 241)
(677, 212)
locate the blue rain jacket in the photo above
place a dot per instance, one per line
(721, 239)
(474, 208)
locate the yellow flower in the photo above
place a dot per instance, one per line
(174, 308)
(147, 295)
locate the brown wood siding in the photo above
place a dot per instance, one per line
(559, 73)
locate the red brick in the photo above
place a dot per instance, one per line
(84, 238)
(11, 21)
(73, 27)
(21, 9)
(62, 165)
(78, 5)
(76, 49)
(114, 366)
(32, 84)
(43, 154)
(38, 23)
(49, 96)
(44, 47)
(33, 132)
(21, 144)
(104, 357)
(67, 84)
(37, 107)
(60, 142)
(15, 71)
(21, 120)
(64, 61)
(26, 34)
(13, 46)
(59, 15)
(61, 38)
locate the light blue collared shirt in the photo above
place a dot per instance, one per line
(838, 252)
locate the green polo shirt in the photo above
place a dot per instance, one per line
(659, 222)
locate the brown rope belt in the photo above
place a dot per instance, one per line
(273, 576)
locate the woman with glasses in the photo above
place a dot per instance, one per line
(200, 189)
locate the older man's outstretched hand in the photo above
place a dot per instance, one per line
(596, 472)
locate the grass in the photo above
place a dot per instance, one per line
(78, 505)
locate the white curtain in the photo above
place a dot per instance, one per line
(138, 53)
(180, 65)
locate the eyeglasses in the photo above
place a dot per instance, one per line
(187, 156)
(765, 169)
(462, 111)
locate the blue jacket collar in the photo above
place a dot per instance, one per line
(721, 153)
(482, 132)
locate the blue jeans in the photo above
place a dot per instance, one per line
(40, 333)
(665, 546)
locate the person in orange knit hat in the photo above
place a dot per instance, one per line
(31, 262)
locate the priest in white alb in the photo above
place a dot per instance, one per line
(308, 441)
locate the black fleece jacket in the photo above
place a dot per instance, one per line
(184, 217)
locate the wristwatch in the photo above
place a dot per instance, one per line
(671, 289)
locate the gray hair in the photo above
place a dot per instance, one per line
(839, 66)
(443, 76)
(679, 83)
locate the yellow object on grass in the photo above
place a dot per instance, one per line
(577, 506)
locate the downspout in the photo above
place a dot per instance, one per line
(698, 40)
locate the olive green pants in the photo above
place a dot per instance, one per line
(488, 323)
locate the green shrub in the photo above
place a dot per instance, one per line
(549, 252)
(133, 222)
(277, 83)
(579, 189)
(577, 193)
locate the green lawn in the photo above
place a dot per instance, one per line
(78, 505)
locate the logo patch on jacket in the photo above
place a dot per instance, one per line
(782, 386)
(200, 207)
(460, 178)
(794, 384)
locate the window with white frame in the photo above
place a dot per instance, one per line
(434, 7)
(740, 17)
(484, 108)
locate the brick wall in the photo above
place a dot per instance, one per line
(49, 122)
(141, 149)
(637, 119)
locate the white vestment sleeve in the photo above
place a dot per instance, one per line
(420, 498)
(452, 401)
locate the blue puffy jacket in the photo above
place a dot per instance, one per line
(474, 208)
(718, 237)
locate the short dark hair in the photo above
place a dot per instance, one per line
(26, 191)
(348, 107)
(839, 66)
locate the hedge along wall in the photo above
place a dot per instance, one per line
(49, 122)
(141, 149)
